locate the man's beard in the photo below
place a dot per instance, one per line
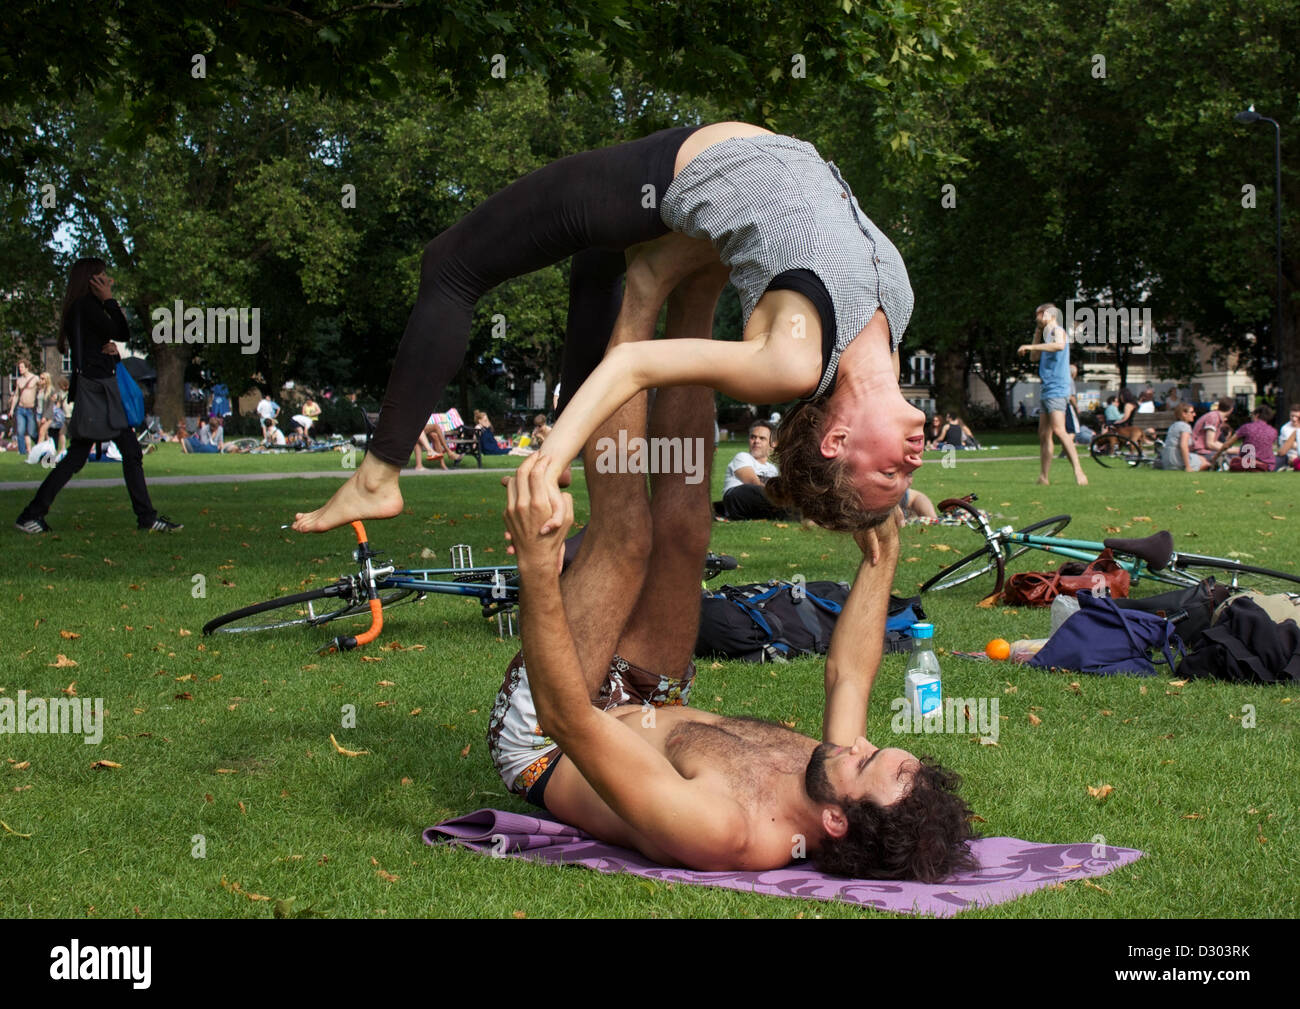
(815, 780)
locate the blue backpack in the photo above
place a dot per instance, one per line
(132, 397)
(778, 620)
(1103, 638)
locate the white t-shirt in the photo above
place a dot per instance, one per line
(743, 459)
(276, 437)
(267, 408)
(1287, 429)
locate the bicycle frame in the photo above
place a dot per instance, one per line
(1081, 550)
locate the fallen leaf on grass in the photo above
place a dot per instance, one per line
(1034, 719)
(23, 766)
(100, 764)
(242, 809)
(386, 683)
(1074, 688)
(61, 662)
(1056, 886)
(236, 888)
(372, 658)
(1279, 518)
(518, 914)
(311, 666)
(187, 696)
(10, 830)
(1100, 793)
(465, 752)
(188, 677)
(345, 752)
(1178, 683)
(1141, 518)
(407, 781)
(70, 690)
(1099, 889)
(21, 788)
(416, 711)
(68, 635)
(1193, 816)
(226, 770)
(387, 877)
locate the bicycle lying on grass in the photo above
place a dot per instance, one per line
(377, 586)
(1151, 557)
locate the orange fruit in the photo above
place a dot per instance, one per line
(997, 649)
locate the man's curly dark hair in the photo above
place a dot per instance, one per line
(923, 836)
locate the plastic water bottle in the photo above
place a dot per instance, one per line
(1063, 607)
(922, 687)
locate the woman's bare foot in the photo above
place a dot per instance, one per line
(1044, 481)
(1080, 479)
(370, 493)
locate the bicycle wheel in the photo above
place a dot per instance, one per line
(287, 611)
(1193, 568)
(299, 609)
(1051, 526)
(1115, 450)
(972, 566)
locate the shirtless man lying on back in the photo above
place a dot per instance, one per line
(622, 756)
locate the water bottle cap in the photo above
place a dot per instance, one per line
(923, 631)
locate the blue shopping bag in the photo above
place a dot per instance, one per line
(132, 397)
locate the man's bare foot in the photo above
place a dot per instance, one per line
(1044, 481)
(370, 493)
(1080, 479)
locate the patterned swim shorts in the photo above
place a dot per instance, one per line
(521, 750)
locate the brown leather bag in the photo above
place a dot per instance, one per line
(1039, 588)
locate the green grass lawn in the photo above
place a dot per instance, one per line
(228, 739)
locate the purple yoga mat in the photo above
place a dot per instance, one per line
(1008, 868)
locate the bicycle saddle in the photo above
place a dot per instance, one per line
(1155, 549)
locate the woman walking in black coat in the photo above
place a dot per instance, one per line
(92, 320)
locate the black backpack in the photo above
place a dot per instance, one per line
(778, 620)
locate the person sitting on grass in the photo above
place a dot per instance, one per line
(916, 505)
(610, 745)
(1211, 429)
(1257, 437)
(1287, 437)
(1177, 453)
(210, 437)
(271, 434)
(747, 475)
(956, 434)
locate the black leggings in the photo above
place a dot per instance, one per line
(590, 206)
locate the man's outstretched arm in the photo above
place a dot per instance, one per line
(858, 642)
(636, 780)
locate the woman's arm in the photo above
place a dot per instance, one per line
(745, 370)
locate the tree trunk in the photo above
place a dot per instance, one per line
(949, 381)
(169, 399)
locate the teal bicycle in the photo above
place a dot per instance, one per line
(1152, 557)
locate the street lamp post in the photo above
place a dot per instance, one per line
(1251, 116)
